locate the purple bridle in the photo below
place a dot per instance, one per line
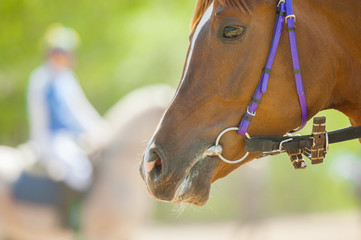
(285, 12)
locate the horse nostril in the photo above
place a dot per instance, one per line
(158, 162)
(158, 166)
(154, 165)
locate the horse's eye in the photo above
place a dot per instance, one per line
(233, 31)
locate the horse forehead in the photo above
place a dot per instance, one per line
(219, 6)
(243, 7)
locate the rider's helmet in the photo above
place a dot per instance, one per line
(58, 37)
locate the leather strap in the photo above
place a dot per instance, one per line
(344, 134)
(276, 143)
(291, 24)
(283, 7)
(263, 83)
(273, 143)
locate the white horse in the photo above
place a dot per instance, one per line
(117, 204)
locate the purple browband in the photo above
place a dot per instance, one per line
(284, 8)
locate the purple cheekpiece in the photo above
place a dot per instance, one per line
(284, 8)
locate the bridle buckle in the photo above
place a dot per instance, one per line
(281, 1)
(253, 114)
(291, 16)
(283, 142)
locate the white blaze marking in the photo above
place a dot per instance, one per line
(206, 16)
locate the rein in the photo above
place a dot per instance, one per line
(314, 146)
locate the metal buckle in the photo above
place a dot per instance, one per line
(281, 144)
(291, 16)
(253, 114)
(281, 1)
(327, 142)
(279, 150)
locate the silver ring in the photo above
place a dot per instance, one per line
(217, 144)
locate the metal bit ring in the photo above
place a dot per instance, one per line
(217, 144)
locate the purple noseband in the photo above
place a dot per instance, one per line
(285, 12)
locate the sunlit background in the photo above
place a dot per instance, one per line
(127, 44)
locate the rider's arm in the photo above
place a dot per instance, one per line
(84, 112)
(37, 107)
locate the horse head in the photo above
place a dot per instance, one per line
(229, 43)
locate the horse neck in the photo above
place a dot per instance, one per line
(330, 33)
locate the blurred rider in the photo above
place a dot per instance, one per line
(60, 114)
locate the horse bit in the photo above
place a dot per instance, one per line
(314, 146)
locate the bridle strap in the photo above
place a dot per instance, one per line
(263, 83)
(284, 8)
(291, 28)
(313, 146)
(288, 143)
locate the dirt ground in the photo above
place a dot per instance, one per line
(330, 226)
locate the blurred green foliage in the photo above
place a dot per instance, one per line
(130, 43)
(125, 44)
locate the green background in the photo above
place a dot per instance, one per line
(125, 45)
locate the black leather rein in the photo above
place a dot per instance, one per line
(314, 146)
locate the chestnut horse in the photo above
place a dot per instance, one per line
(229, 45)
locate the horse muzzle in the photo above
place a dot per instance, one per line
(167, 182)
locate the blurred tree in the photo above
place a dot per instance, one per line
(125, 44)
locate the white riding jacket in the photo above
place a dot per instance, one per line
(59, 114)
